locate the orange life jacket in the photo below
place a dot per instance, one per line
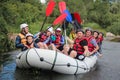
(77, 47)
(23, 38)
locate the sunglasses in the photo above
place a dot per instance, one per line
(58, 31)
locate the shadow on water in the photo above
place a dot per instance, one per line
(107, 68)
(47, 75)
(43, 75)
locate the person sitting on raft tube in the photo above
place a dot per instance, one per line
(59, 41)
(21, 38)
(30, 42)
(80, 45)
(92, 44)
(67, 50)
(100, 36)
(47, 38)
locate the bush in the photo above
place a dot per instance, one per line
(114, 28)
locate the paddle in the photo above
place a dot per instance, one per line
(49, 11)
(77, 20)
(77, 17)
(59, 19)
(62, 6)
(69, 18)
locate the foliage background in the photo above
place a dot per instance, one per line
(98, 14)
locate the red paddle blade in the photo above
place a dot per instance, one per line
(62, 6)
(60, 19)
(77, 17)
(50, 8)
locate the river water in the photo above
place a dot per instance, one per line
(107, 67)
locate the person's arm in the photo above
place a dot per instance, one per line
(18, 43)
(47, 40)
(93, 41)
(86, 50)
(36, 35)
(84, 43)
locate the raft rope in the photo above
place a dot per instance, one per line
(54, 60)
(76, 67)
(68, 64)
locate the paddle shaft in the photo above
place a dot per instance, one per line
(65, 33)
(43, 23)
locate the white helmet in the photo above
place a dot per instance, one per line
(29, 34)
(58, 29)
(50, 29)
(23, 25)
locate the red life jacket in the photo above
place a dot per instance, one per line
(97, 40)
(77, 47)
(101, 39)
(43, 37)
(91, 47)
(58, 38)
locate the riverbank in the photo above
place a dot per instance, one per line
(113, 39)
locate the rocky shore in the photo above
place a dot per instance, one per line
(112, 37)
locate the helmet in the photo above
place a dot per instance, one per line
(29, 34)
(23, 25)
(58, 29)
(50, 29)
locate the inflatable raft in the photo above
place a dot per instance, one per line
(54, 61)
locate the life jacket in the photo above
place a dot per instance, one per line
(23, 38)
(98, 40)
(58, 39)
(101, 39)
(77, 47)
(91, 47)
(43, 37)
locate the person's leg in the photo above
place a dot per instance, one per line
(53, 46)
(40, 44)
(73, 54)
(45, 46)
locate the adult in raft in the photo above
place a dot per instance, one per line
(21, 38)
(92, 44)
(80, 45)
